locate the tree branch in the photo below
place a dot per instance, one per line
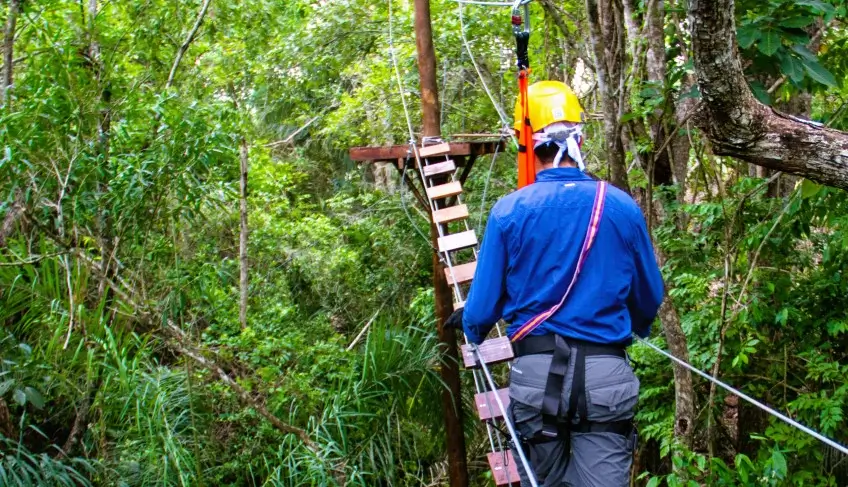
(182, 344)
(740, 126)
(187, 42)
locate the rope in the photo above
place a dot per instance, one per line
(498, 108)
(737, 392)
(486, 189)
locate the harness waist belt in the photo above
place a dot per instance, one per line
(537, 344)
(624, 427)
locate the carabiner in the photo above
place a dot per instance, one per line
(517, 19)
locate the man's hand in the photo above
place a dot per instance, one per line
(455, 320)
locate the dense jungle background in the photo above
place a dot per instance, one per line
(187, 253)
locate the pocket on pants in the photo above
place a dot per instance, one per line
(527, 419)
(612, 402)
(527, 379)
(612, 389)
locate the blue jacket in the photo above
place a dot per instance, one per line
(529, 252)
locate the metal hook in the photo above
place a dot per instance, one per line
(517, 19)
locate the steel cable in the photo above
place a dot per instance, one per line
(503, 118)
(733, 390)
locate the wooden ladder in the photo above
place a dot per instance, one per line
(458, 249)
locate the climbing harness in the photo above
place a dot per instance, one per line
(553, 427)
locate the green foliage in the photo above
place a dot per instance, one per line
(783, 331)
(774, 36)
(20, 467)
(129, 187)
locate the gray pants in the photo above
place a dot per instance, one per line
(595, 459)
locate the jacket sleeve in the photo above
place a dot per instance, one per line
(485, 302)
(646, 288)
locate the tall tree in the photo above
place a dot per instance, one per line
(243, 232)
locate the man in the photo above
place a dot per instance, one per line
(572, 388)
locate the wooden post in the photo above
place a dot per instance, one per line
(427, 70)
(451, 399)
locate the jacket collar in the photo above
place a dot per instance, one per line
(562, 174)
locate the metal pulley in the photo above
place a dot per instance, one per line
(521, 30)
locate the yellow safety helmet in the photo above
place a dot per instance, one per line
(549, 102)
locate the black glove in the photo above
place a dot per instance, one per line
(455, 320)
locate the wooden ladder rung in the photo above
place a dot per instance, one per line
(451, 213)
(461, 273)
(458, 305)
(444, 190)
(504, 469)
(434, 150)
(457, 241)
(494, 351)
(487, 406)
(440, 168)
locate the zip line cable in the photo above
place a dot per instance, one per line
(486, 190)
(737, 392)
(399, 82)
(498, 108)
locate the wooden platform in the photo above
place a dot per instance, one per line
(394, 153)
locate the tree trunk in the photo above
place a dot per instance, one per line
(7, 424)
(608, 54)
(243, 263)
(684, 391)
(430, 109)
(105, 232)
(660, 167)
(12, 215)
(738, 125)
(9, 48)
